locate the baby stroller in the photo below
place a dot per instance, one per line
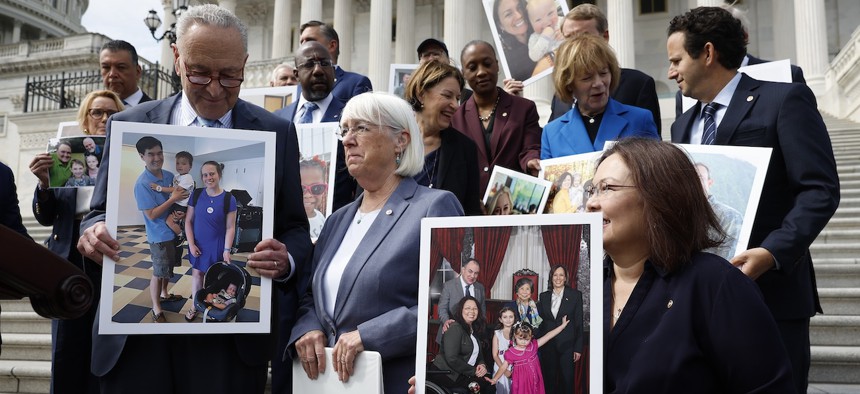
(218, 278)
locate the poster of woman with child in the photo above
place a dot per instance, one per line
(526, 32)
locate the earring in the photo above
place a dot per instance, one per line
(397, 159)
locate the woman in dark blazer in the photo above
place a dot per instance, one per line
(559, 354)
(504, 127)
(450, 158)
(458, 353)
(676, 320)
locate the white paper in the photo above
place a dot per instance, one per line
(366, 380)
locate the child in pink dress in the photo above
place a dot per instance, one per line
(526, 376)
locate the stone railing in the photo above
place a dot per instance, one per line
(81, 44)
(842, 81)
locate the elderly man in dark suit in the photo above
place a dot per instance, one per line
(801, 188)
(455, 289)
(121, 72)
(634, 88)
(346, 84)
(210, 56)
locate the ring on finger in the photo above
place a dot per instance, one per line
(276, 263)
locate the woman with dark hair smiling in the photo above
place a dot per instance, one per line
(559, 354)
(675, 319)
(462, 348)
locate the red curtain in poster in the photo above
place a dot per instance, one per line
(562, 247)
(490, 246)
(447, 243)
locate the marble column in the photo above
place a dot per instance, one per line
(541, 92)
(379, 57)
(460, 26)
(166, 51)
(344, 25)
(405, 43)
(619, 14)
(229, 5)
(283, 15)
(812, 42)
(311, 10)
(16, 31)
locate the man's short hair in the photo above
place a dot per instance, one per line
(147, 142)
(211, 15)
(185, 155)
(120, 45)
(329, 32)
(587, 12)
(715, 25)
(274, 76)
(472, 260)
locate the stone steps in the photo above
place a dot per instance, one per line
(826, 330)
(835, 250)
(835, 364)
(834, 276)
(35, 347)
(23, 323)
(23, 376)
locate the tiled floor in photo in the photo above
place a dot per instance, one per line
(131, 300)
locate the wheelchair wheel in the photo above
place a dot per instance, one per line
(433, 388)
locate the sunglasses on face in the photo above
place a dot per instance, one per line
(316, 189)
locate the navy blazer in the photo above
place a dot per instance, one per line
(458, 170)
(634, 88)
(347, 85)
(801, 188)
(515, 138)
(10, 212)
(567, 135)
(344, 184)
(571, 306)
(378, 292)
(701, 329)
(290, 220)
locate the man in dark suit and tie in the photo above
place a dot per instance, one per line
(210, 55)
(634, 87)
(316, 104)
(801, 188)
(121, 72)
(455, 289)
(346, 84)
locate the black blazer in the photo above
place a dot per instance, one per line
(458, 170)
(57, 209)
(10, 213)
(634, 88)
(571, 306)
(455, 352)
(801, 188)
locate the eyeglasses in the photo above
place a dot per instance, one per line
(602, 189)
(316, 189)
(311, 64)
(204, 80)
(357, 130)
(98, 113)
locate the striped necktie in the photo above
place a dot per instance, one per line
(710, 133)
(308, 115)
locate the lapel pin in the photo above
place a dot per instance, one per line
(669, 305)
(389, 212)
(749, 98)
(504, 114)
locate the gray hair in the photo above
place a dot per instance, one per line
(278, 68)
(739, 14)
(386, 109)
(210, 14)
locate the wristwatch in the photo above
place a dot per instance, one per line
(158, 189)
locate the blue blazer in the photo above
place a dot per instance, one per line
(567, 135)
(344, 184)
(290, 224)
(378, 293)
(701, 329)
(801, 188)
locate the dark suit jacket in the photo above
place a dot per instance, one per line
(452, 293)
(344, 184)
(58, 210)
(801, 188)
(290, 221)
(378, 292)
(455, 352)
(796, 77)
(145, 98)
(349, 84)
(571, 306)
(458, 170)
(515, 138)
(634, 88)
(701, 329)
(10, 213)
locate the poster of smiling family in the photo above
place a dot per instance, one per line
(510, 266)
(181, 203)
(526, 32)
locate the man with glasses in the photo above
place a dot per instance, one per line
(121, 72)
(346, 84)
(210, 55)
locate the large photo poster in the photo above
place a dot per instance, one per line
(220, 185)
(509, 267)
(526, 34)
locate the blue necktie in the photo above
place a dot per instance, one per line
(308, 115)
(208, 123)
(710, 132)
(467, 290)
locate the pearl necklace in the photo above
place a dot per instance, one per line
(493, 112)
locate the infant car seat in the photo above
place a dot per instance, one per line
(217, 278)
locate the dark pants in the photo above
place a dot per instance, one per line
(168, 364)
(795, 337)
(557, 369)
(71, 340)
